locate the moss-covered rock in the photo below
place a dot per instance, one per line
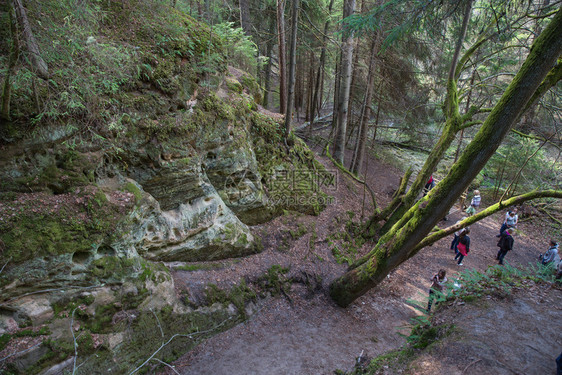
(153, 152)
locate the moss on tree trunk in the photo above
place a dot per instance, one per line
(397, 245)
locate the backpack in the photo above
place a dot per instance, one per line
(500, 242)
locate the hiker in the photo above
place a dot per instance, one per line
(474, 203)
(505, 244)
(429, 185)
(463, 246)
(510, 221)
(456, 235)
(551, 255)
(437, 285)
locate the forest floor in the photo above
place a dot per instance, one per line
(303, 332)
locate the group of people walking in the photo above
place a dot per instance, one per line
(461, 239)
(461, 246)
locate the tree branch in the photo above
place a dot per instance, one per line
(432, 238)
(352, 176)
(37, 63)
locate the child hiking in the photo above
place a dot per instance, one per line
(474, 203)
(463, 246)
(437, 286)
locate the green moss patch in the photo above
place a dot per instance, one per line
(292, 175)
(41, 224)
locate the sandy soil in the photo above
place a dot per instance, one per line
(308, 334)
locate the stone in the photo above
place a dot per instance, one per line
(37, 308)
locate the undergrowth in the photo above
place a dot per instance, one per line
(346, 243)
(470, 286)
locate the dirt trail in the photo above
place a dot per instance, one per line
(310, 334)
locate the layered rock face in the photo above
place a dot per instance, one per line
(87, 229)
(155, 153)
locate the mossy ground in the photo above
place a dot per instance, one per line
(41, 224)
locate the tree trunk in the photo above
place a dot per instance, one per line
(282, 65)
(319, 76)
(292, 64)
(245, 21)
(401, 241)
(355, 71)
(466, 109)
(297, 101)
(337, 81)
(200, 9)
(452, 126)
(14, 54)
(38, 65)
(269, 52)
(310, 88)
(357, 161)
(344, 89)
(376, 126)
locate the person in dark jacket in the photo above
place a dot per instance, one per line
(463, 246)
(505, 244)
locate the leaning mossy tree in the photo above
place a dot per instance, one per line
(401, 241)
(459, 112)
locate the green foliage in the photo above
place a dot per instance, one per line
(345, 244)
(64, 306)
(135, 190)
(240, 51)
(275, 280)
(470, 286)
(4, 340)
(98, 50)
(498, 281)
(101, 322)
(239, 295)
(422, 335)
(301, 230)
(518, 164)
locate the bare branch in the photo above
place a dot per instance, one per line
(166, 364)
(5, 264)
(75, 343)
(173, 337)
(21, 352)
(158, 322)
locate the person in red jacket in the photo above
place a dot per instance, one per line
(429, 185)
(463, 246)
